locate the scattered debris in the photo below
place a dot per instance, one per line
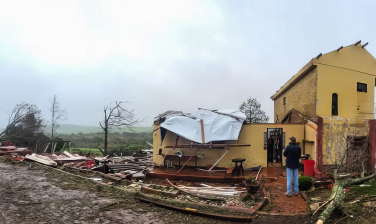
(14, 158)
(197, 212)
(12, 150)
(41, 159)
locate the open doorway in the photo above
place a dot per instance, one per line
(274, 147)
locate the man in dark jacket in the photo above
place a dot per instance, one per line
(292, 154)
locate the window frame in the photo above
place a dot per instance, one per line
(361, 87)
(335, 104)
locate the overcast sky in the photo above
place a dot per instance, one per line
(165, 55)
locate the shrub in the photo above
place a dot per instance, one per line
(250, 180)
(247, 198)
(305, 182)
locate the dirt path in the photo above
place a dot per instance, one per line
(280, 203)
(42, 195)
(34, 196)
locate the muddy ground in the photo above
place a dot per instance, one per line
(37, 194)
(40, 195)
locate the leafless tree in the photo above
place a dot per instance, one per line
(252, 110)
(25, 125)
(116, 116)
(342, 181)
(57, 114)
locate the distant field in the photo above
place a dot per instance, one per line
(87, 150)
(75, 129)
(94, 151)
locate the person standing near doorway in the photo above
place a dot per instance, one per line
(292, 154)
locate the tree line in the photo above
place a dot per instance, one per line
(26, 125)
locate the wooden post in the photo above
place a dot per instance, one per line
(36, 147)
(202, 131)
(46, 147)
(188, 160)
(54, 147)
(372, 145)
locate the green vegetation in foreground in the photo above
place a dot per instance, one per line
(84, 151)
(357, 190)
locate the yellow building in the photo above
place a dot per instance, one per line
(340, 83)
(331, 93)
(253, 134)
(335, 91)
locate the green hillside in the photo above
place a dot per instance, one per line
(75, 129)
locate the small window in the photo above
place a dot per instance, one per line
(361, 87)
(284, 100)
(334, 104)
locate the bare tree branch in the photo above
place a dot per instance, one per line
(115, 115)
(351, 138)
(57, 114)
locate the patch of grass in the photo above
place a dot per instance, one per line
(99, 188)
(93, 151)
(357, 190)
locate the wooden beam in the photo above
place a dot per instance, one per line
(358, 42)
(340, 48)
(202, 131)
(46, 147)
(364, 45)
(218, 160)
(187, 161)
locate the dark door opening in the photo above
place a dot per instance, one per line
(275, 146)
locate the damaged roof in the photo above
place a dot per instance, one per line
(205, 125)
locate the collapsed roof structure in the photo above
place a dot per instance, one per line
(205, 125)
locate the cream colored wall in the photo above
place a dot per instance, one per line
(351, 57)
(301, 96)
(253, 134)
(339, 72)
(335, 132)
(351, 103)
(336, 72)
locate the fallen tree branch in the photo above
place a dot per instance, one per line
(359, 180)
(341, 219)
(327, 202)
(101, 150)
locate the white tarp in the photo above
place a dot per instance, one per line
(219, 125)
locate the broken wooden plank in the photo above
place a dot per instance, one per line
(187, 192)
(41, 159)
(196, 212)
